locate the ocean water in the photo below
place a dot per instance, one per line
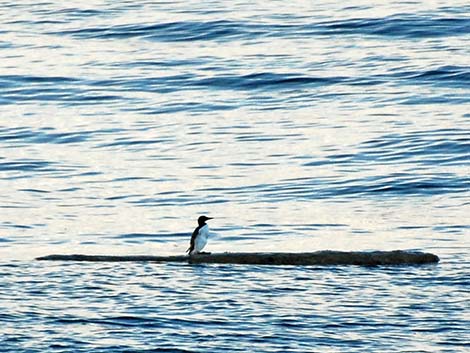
(298, 126)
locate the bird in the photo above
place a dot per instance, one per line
(199, 236)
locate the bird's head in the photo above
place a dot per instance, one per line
(202, 220)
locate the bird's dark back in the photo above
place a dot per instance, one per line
(193, 237)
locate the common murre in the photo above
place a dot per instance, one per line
(199, 237)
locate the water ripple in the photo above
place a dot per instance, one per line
(268, 308)
(413, 26)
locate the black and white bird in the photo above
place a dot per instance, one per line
(199, 237)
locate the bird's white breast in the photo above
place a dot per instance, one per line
(201, 239)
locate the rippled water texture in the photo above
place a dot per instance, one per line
(298, 126)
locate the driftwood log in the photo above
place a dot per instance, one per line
(327, 257)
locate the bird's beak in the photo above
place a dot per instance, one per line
(210, 217)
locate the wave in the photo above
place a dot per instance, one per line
(377, 186)
(169, 31)
(410, 26)
(118, 90)
(441, 147)
(406, 25)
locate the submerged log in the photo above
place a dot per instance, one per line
(327, 257)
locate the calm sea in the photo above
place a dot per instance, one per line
(297, 125)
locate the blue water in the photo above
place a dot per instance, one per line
(298, 126)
